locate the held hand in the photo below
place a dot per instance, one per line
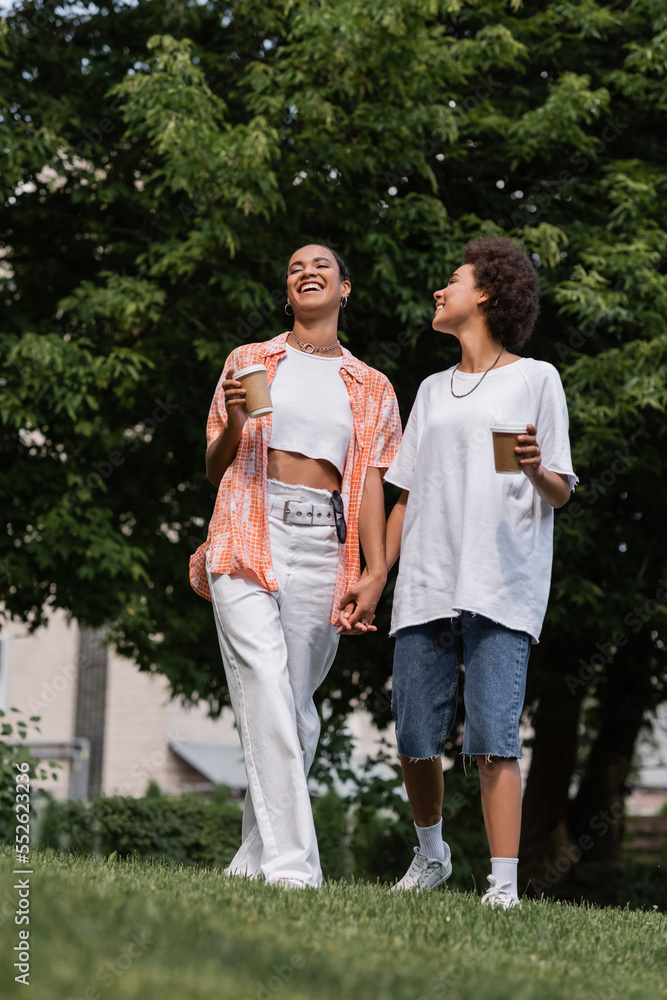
(357, 607)
(344, 626)
(528, 450)
(234, 401)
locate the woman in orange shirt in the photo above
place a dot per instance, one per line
(298, 490)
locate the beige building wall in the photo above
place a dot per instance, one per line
(39, 678)
(38, 675)
(140, 719)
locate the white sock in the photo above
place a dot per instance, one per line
(430, 841)
(504, 870)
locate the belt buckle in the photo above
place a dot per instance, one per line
(307, 515)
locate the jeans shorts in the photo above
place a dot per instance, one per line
(425, 685)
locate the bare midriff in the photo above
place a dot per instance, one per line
(292, 467)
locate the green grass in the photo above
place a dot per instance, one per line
(204, 937)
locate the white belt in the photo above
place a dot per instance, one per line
(295, 512)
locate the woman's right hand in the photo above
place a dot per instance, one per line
(234, 400)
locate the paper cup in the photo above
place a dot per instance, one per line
(254, 380)
(504, 443)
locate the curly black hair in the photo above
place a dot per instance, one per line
(504, 271)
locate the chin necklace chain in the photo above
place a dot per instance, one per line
(311, 349)
(462, 394)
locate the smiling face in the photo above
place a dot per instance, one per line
(459, 301)
(314, 284)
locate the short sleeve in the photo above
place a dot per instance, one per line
(387, 433)
(553, 427)
(401, 470)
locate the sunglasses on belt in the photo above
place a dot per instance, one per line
(339, 516)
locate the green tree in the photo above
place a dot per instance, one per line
(163, 160)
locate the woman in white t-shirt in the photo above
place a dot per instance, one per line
(475, 554)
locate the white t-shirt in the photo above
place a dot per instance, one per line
(312, 414)
(473, 539)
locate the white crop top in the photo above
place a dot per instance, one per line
(311, 408)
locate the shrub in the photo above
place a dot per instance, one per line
(12, 754)
(615, 883)
(185, 828)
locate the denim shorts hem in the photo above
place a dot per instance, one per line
(418, 757)
(490, 753)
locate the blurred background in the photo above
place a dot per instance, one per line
(160, 163)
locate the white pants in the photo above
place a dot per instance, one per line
(277, 648)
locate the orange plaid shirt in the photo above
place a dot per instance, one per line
(238, 534)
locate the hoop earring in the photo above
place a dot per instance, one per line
(288, 306)
(343, 302)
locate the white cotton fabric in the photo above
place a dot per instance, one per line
(311, 408)
(473, 539)
(277, 648)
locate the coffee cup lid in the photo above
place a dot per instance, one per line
(510, 428)
(248, 369)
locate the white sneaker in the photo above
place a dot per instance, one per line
(498, 895)
(426, 873)
(288, 883)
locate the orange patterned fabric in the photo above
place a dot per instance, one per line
(238, 534)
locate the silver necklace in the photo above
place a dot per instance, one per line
(311, 349)
(462, 394)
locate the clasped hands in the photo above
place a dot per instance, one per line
(356, 610)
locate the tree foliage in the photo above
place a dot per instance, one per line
(162, 160)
